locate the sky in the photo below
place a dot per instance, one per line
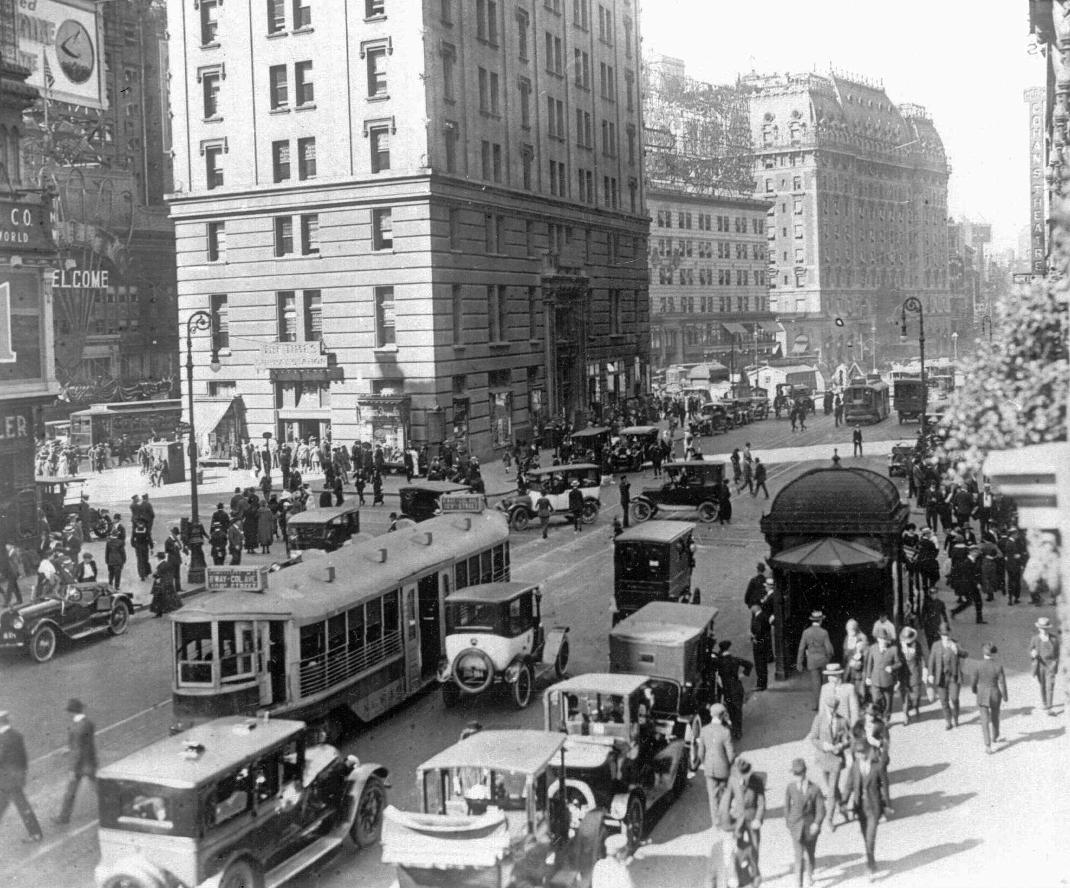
(965, 61)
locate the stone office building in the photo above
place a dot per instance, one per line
(411, 222)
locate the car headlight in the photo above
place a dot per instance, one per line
(512, 672)
(17, 623)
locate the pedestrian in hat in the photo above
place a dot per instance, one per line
(612, 870)
(836, 687)
(990, 686)
(804, 812)
(625, 498)
(815, 652)
(164, 594)
(755, 593)
(912, 670)
(740, 817)
(883, 624)
(761, 639)
(377, 487)
(173, 547)
(13, 767)
(945, 673)
(728, 668)
(882, 669)
(82, 746)
(868, 797)
(575, 505)
(1044, 652)
(716, 753)
(830, 735)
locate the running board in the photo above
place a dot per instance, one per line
(302, 860)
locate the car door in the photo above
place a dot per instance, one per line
(77, 609)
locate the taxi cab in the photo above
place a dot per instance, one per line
(324, 528)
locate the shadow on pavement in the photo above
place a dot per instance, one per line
(927, 803)
(1034, 736)
(917, 773)
(669, 869)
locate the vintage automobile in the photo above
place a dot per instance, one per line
(626, 749)
(326, 527)
(652, 561)
(236, 802)
(739, 409)
(72, 611)
(593, 439)
(759, 402)
(671, 643)
(494, 635)
(419, 501)
(692, 485)
(630, 453)
(900, 459)
(488, 817)
(61, 496)
(555, 482)
(713, 419)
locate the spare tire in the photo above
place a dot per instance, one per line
(473, 671)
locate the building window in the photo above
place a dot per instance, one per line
(797, 207)
(455, 228)
(627, 37)
(631, 144)
(497, 320)
(449, 138)
(306, 158)
(385, 334)
(302, 14)
(488, 92)
(614, 313)
(487, 21)
(209, 22)
(798, 231)
(382, 229)
(581, 14)
(280, 95)
(525, 102)
(446, 12)
(217, 241)
(310, 233)
(582, 71)
(449, 63)
(313, 312)
(457, 313)
(379, 137)
(210, 83)
(376, 73)
(284, 235)
(607, 81)
(555, 112)
(558, 179)
(629, 84)
(493, 232)
(374, 8)
(527, 160)
(522, 24)
(213, 165)
(534, 309)
(554, 61)
(276, 16)
(220, 322)
(605, 24)
(303, 90)
(286, 315)
(584, 129)
(280, 161)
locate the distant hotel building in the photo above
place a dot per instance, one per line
(859, 216)
(411, 222)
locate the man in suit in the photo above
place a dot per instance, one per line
(850, 707)
(740, 813)
(868, 797)
(831, 736)
(625, 498)
(985, 507)
(716, 753)
(912, 651)
(815, 652)
(882, 669)
(755, 593)
(945, 672)
(13, 765)
(1044, 652)
(990, 686)
(804, 812)
(761, 639)
(82, 743)
(965, 579)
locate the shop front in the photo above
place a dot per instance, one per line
(384, 421)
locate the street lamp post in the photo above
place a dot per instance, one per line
(912, 303)
(199, 320)
(955, 346)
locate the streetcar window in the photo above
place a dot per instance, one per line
(373, 612)
(356, 627)
(312, 642)
(336, 632)
(501, 564)
(237, 643)
(194, 653)
(487, 567)
(391, 611)
(462, 574)
(473, 571)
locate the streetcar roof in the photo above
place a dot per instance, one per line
(361, 570)
(567, 469)
(591, 432)
(656, 532)
(322, 514)
(490, 593)
(522, 751)
(435, 486)
(640, 430)
(622, 683)
(226, 742)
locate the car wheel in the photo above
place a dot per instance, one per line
(368, 824)
(707, 512)
(561, 660)
(43, 643)
(632, 825)
(102, 526)
(130, 880)
(119, 618)
(519, 520)
(641, 511)
(522, 686)
(590, 510)
(240, 874)
(451, 694)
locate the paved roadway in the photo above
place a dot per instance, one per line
(943, 804)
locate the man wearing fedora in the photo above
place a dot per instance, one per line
(81, 739)
(868, 797)
(804, 812)
(1044, 652)
(716, 752)
(830, 735)
(882, 669)
(912, 670)
(945, 673)
(844, 691)
(13, 766)
(990, 686)
(815, 653)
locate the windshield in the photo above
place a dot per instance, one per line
(638, 560)
(146, 807)
(471, 790)
(471, 617)
(594, 713)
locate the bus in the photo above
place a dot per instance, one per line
(137, 421)
(866, 402)
(348, 634)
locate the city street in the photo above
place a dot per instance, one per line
(943, 785)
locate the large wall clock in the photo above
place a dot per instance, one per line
(74, 51)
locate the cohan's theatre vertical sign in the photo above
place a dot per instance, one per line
(1038, 261)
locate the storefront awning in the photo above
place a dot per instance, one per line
(736, 329)
(771, 326)
(830, 555)
(209, 412)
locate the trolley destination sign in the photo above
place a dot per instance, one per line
(237, 579)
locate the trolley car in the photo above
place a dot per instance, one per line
(351, 633)
(866, 402)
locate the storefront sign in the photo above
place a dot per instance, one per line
(292, 355)
(24, 227)
(77, 279)
(20, 325)
(16, 430)
(237, 579)
(462, 502)
(1038, 260)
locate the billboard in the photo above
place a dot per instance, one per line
(61, 42)
(20, 326)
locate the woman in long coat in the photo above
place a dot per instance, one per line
(265, 526)
(251, 526)
(164, 597)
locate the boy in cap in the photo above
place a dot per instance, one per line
(815, 653)
(81, 740)
(13, 766)
(1044, 652)
(804, 812)
(990, 686)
